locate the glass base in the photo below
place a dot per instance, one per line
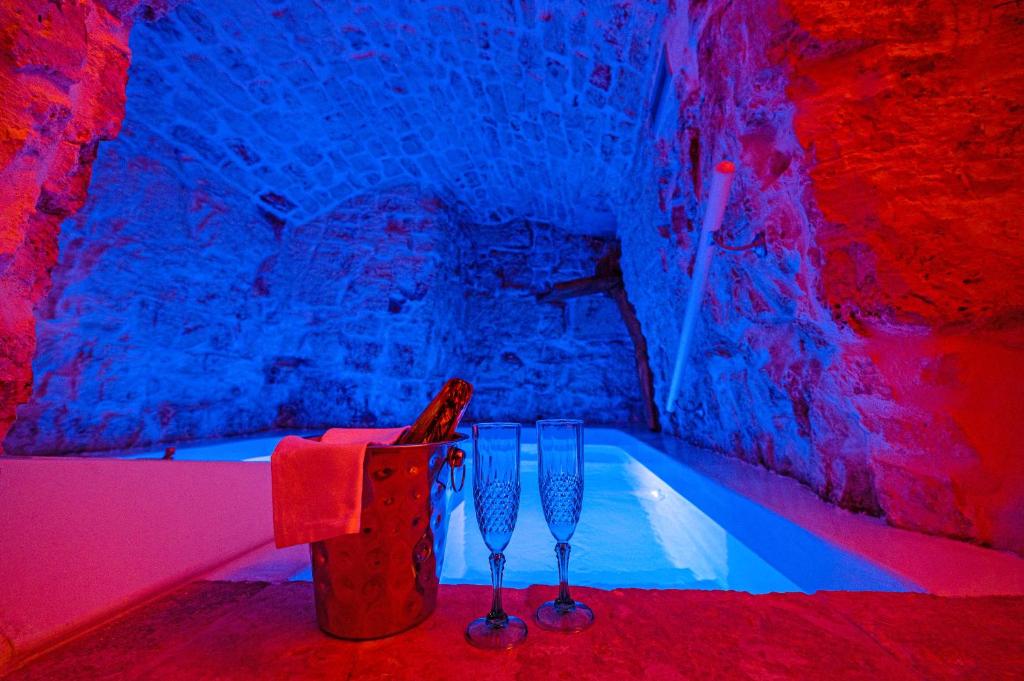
(564, 617)
(483, 634)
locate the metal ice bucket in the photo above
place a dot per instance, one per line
(384, 580)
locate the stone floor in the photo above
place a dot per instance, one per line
(236, 630)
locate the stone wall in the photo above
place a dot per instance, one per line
(181, 309)
(255, 129)
(62, 72)
(301, 106)
(531, 360)
(871, 350)
(313, 216)
(281, 114)
(917, 178)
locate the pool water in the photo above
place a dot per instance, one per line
(635, 531)
(226, 449)
(648, 521)
(673, 529)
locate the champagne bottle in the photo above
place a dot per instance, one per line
(439, 420)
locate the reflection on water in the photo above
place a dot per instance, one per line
(688, 538)
(635, 531)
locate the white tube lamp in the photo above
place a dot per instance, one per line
(719, 196)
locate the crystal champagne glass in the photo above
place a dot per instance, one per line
(496, 497)
(560, 473)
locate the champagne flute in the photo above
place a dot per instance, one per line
(560, 473)
(496, 497)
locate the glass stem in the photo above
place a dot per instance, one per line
(497, 616)
(562, 552)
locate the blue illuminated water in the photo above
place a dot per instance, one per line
(648, 521)
(635, 531)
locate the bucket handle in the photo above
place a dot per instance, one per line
(455, 459)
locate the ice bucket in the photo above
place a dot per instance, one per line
(384, 580)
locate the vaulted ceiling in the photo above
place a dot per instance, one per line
(503, 110)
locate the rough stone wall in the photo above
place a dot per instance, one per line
(871, 351)
(179, 310)
(503, 110)
(531, 360)
(919, 190)
(62, 72)
(276, 116)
